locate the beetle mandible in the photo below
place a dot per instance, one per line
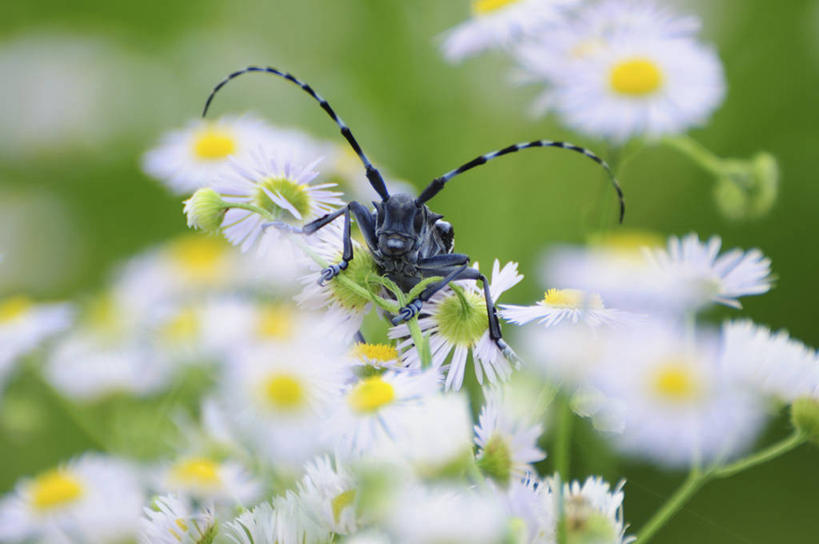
(408, 241)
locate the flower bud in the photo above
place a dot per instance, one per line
(748, 189)
(805, 417)
(205, 210)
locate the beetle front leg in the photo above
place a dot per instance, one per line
(448, 265)
(334, 270)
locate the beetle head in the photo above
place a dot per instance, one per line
(401, 225)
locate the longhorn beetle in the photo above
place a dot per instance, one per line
(407, 240)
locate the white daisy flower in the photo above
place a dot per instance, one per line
(710, 277)
(23, 325)
(170, 520)
(772, 364)
(506, 439)
(277, 185)
(93, 498)
(194, 156)
(638, 85)
(501, 23)
(205, 479)
(344, 308)
(679, 406)
(256, 526)
(572, 305)
(447, 514)
(592, 511)
(371, 410)
(283, 522)
(459, 326)
(435, 437)
(531, 507)
(380, 356)
(277, 393)
(328, 493)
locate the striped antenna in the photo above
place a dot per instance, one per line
(437, 184)
(373, 175)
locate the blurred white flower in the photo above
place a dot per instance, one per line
(328, 494)
(558, 305)
(206, 480)
(193, 157)
(459, 325)
(93, 498)
(592, 511)
(170, 520)
(530, 504)
(501, 23)
(772, 364)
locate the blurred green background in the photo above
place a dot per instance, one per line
(88, 86)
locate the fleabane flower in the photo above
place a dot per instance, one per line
(592, 511)
(278, 393)
(679, 405)
(506, 439)
(501, 23)
(370, 410)
(171, 520)
(708, 277)
(456, 322)
(283, 521)
(344, 306)
(380, 356)
(771, 363)
(531, 507)
(24, 324)
(190, 158)
(557, 305)
(277, 185)
(94, 498)
(207, 480)
(328, 494)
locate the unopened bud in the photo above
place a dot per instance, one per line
(205, 210)
(748, 189)
(805, 417)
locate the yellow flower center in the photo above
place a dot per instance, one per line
(201, 259)
(214, 143)
(53, 489)
(340, 502)
(14, 307)
(627, 240)
(378, 353)
(676, 381)
(573, 298)
(197, 471)
(371, 394)
(275, 322)
(182, 328)
(462, 321)
(292, 191)
(636, 76)
(482, 7)
(284, 392)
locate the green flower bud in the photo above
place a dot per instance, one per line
(205, 210)
(747, 189)
(805, 417)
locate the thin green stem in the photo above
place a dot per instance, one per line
(689, 487)
(696, 479)
(771, 452)
(563, 438)
(696, 152)
(421, 343)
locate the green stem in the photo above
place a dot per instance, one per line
(696, 479)
(690, 486)
(421, 343)
(696, 152)
(563, 438)
(771, 452)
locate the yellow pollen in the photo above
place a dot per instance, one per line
(53, 489)
(573, 298)
(284, 392)
(200, 258)
(214, 143)
(636, 77)
(379, 353)
(14, 307)
(370, 395)
(196, 471)
(275, 322)
(482, 7)
(182, 328)
(675, 381)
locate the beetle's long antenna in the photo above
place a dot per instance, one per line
(438, 183)
(376, 180)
